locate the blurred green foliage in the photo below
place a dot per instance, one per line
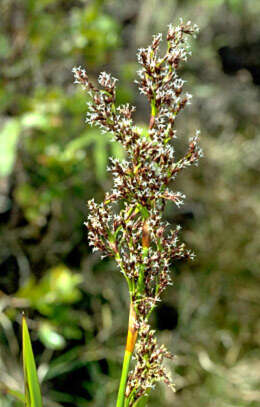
(51, 164)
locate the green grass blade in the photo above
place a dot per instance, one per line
(32, 388)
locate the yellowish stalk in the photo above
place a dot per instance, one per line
(130, 345)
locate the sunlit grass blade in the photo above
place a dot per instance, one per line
(32, 388)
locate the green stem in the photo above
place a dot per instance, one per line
(153, 108)
(123, 381)
(130, 344)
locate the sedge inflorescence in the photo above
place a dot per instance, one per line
(136, 235)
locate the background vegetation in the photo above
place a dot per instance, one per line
(51, 164)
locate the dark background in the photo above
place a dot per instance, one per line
(51, 163)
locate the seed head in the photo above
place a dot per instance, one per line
(137, 236)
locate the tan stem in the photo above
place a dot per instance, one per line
(151, 124)
(132, 330)
(145, 237)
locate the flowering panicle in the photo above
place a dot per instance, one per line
(149, 367)
(138, 237)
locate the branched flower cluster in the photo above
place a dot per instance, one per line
(149, 367)
(137, 236)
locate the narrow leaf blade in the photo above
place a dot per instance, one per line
(32, 388)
